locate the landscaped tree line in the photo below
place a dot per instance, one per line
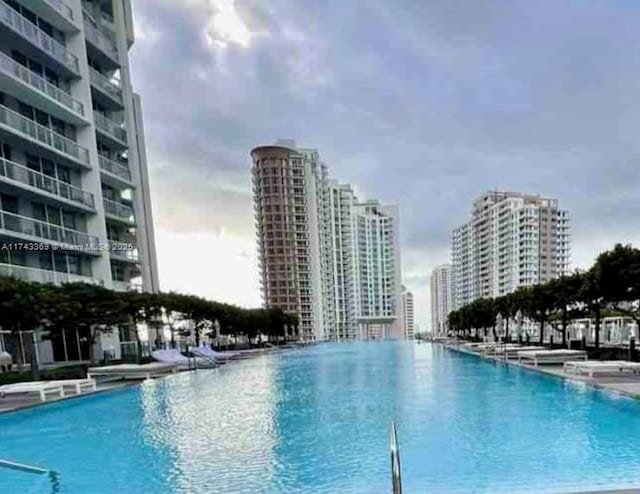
(92, 309)
(611, 286)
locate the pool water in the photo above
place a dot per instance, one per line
(316, 420)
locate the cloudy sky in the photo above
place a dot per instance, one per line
(426, 103)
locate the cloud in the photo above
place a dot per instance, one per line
(427, 103)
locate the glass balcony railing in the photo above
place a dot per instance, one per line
(61, 7)
(118, 209)
(13, 68)
(37, 37)
(46, 231)
(110, 127)
(120, 254)
(24, 175)
(105, 84)
(36, 275)
(99, 39)
(45, 135)
(114, 168)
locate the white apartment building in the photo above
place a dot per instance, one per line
(512, 240)
(441, 289)
(407, 309)
(378, 288)
(323, 255)
(73, 170)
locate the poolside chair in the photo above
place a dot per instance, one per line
(76, 386)
(42, 389)
(132, 371)
(207, 352)
(173, 356)
(558, 356)
(592, 367)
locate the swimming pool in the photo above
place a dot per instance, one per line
(317, 421)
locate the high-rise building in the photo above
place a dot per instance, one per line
(441, 298)
(378, 288)
(323, 255)
(512, 240)
(73, 170)
(407, 308)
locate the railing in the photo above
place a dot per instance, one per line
(13, 68)
(48, 231)
(124, 254)
(118, 209)
(42, 134)
(54, 477)
(114, 168)
(22, 174)
(110, 127)
(38, 275)
(99, 39)
(61, 7)
(35, 35)
(105, 84)
(396, 480)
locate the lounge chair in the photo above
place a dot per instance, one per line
(76, 386)
(512, 351)
(132, 371)
(173, 356)
(40, 388)
(207, 352)
(593, 367)
(551, 356)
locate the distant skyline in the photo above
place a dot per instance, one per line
(427, 103)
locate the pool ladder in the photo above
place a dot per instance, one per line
(54, 477)
(396, 479)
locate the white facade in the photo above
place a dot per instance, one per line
(408, 314)
(323, 255)
(511, 240)
(441, 298)
(73, 170)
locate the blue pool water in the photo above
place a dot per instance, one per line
(316, 421)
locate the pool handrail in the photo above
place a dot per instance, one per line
(54, 477)
(396, 479)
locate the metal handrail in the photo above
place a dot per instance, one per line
(54, 477)
(396, 479)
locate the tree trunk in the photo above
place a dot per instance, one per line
(564, 328)
(597, 313)
(541, 331)
(506, 331)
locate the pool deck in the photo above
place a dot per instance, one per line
(625, 384)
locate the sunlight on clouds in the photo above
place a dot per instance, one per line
(226, 26)
(218, 267)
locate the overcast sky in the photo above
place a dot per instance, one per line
(426, 103)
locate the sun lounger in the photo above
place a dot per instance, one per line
(40, 388)
(207, 352)
(76, 386)
(550, 356)
(173, 356)
(593, 367)
(133, 371)
(512, 351)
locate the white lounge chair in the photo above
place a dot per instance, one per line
(132, 371)
(173, 356)
(40, 388)
(76, 386)
(593, 367)
(558, 356)
(512, 351)
(207, 352)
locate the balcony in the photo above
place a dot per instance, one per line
(44, 43)
(15, 173)
(115, 173)
(37, 275)
(110, 129)
(33, 89)
(29, 228)
(109, 92)
(56, 12)
(119, 211)
(99, 44)
(118, 254)
(126, 286)
(33, 131)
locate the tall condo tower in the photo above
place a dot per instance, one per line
(511, 240)
(73, 169)
(324, 255)
(441, 298)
